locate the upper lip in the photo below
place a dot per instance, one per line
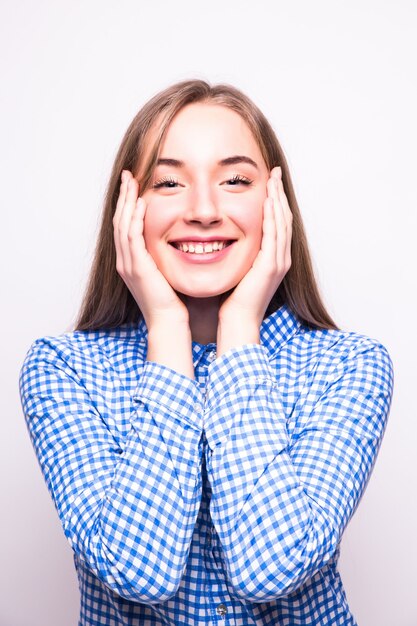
(200, 238)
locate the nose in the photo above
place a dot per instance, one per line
(203, 208)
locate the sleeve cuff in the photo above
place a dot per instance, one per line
(162, 387)
(248, 362)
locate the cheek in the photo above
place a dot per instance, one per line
(249, 214)
(257, 213)
(155, 222)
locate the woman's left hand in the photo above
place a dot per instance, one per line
(242, 312)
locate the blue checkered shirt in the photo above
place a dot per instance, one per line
(220, 500)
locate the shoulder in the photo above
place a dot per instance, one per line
(338, 378)
(338, 354)
(286, 336)
(303, 356)
(79, 349)
(340, 344)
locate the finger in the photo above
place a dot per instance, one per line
(135, 236)
(116, 218)
(282, 195)
(268, 243)
(280, 221)
(122, 195)
(131, 196)
(288, 219)
(125, 220)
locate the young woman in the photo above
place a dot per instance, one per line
(206, 432)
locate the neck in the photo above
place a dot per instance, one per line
(203, 317)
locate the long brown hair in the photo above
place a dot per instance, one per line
(107, 302)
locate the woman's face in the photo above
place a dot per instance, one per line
(203, 221)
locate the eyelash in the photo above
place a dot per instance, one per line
(240, 179)
(170, 182)
(162, 182)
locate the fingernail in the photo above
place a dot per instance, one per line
(278, 172)
(123, 177)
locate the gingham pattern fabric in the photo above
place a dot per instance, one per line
(219, 500)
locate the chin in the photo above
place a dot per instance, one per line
(201, 292)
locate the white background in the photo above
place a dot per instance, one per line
(338, 82)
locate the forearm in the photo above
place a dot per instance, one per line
(124, 470)
(274, 536)
(280, 503)
(261, 515)
(133, 524)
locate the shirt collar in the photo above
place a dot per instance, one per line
(276, 330)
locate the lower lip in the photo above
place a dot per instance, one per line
(204, 257)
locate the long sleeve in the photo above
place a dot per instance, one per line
(284, 488)
(127, 502)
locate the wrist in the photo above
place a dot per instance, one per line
(238, 333)
(171, 345)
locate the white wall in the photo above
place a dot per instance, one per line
(338, 81)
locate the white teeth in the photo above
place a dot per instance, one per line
(201, 248)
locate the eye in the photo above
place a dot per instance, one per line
(239, 179)
(167, 182)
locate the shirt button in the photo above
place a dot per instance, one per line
(221, 609)
(212, 356)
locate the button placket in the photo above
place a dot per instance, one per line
(212, 356)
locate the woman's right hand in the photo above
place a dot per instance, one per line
(166, 316)
(152, 292)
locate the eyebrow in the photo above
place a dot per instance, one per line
(232, 160)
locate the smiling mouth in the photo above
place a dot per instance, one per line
(199, 247)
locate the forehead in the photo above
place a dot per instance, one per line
(200, 131)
